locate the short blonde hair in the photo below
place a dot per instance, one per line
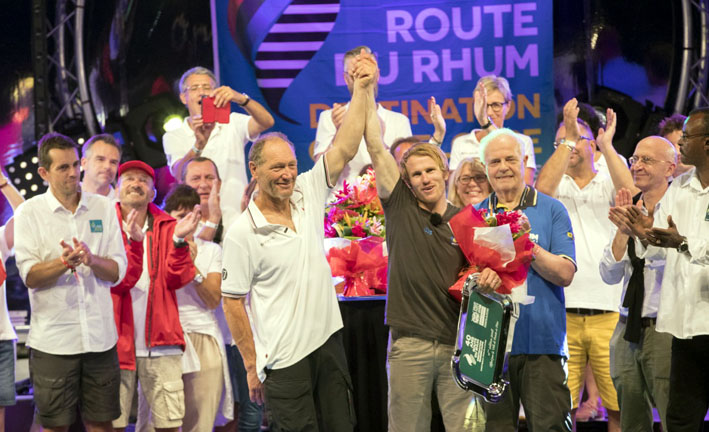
(496, 83)
(476, 166)
(424, 149)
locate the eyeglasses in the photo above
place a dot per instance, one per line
(479, 178)
(496, 106)
(195, 88)
(686, 137)
(563, 140)
(646, 160)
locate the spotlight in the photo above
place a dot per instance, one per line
(80, 141)
(172, 123)
(22, 174)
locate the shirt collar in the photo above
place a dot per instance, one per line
(690, 180)
(528, 199)
(258, 220)
(55, 205)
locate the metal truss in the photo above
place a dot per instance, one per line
(693, 89)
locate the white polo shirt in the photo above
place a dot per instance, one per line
(195, 316)
(468, 146)
(291, 301)
(684, 297)
(588, 210)
(225, 148)
(7, 332)
(71, 316)
(613, 272)
(396, 125)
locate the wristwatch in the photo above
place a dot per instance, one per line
(198, 278)
(683, 247)
(196, 151)
(246, 102)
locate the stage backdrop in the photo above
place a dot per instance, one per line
(288, 56)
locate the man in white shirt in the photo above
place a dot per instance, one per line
(7, 332)
(680, 233)
(273, 256)
(101, 155)
(640, 355)
(570, 176)
(69, 254)
(396, 125)
(222, 143)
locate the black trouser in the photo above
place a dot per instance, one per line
(314, 394)
(689, 384)
(539, 382)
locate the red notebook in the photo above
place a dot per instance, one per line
(211, 114)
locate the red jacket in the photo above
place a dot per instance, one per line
(170, 268)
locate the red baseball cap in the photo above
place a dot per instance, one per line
(136, 164)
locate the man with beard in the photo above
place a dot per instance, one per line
(101, 155)
(275, 266)
(69, 254)
(151, 341)
(424, 260)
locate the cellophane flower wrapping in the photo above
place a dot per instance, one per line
(498, 241)
(356, 214)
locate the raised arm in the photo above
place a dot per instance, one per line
(555, 167)
(14, 198)
(260, 119)
(620, 174)
(385, 166)
(346, 142)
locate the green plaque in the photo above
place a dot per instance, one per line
(481, 341)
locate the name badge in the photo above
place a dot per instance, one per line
(96, 226)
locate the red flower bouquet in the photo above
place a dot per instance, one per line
(356, 214)
(499, 241)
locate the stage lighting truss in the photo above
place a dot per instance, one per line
(62, 91)
(693, 85)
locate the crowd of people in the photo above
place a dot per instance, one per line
(222, 298)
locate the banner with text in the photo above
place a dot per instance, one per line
(288, 54)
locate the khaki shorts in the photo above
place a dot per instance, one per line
(161, 384)
(589, 338)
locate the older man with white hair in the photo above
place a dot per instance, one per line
(537, 362)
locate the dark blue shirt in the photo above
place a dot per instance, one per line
(541, 327)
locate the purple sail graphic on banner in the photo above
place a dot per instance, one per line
(280, 46)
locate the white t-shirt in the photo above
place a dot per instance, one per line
(225, 148)
(75, 314)
(468, 146)
(396, 125)
(291, 304)
(195, 316)
(588, 210)
(684, 298)
(7, 332)
(601, 164)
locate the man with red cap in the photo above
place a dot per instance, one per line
(150, 339)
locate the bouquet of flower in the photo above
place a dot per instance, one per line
(499, 241)
(356, 215)
(356, 210)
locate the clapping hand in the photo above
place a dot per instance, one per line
(571, 112)
(605, 136)
(135, 232)
(188, 224)
(665, 237)
(439, 123)
(480, 105)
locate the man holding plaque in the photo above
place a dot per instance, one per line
(537, 362)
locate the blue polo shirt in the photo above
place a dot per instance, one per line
(541, 327)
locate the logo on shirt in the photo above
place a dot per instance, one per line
(427, 230)
(570, 235)
(224, 274)
(534, 237)
(96, 225)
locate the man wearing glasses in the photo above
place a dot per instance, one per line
(591, 305)
(680, 236)
(222, 143)
(492, 101)
(640, 355)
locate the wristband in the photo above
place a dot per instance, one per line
(7, 182)
(433, 140)
(196, 151)
(489, 123)
(246, 102)
(210, 224)
(178, 240)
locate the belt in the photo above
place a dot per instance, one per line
(396, 334)
(644, 322)
(587, 312)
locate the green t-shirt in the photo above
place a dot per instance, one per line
(424, 261)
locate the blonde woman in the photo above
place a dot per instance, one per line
(468, 183)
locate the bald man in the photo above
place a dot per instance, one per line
(639, 354)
